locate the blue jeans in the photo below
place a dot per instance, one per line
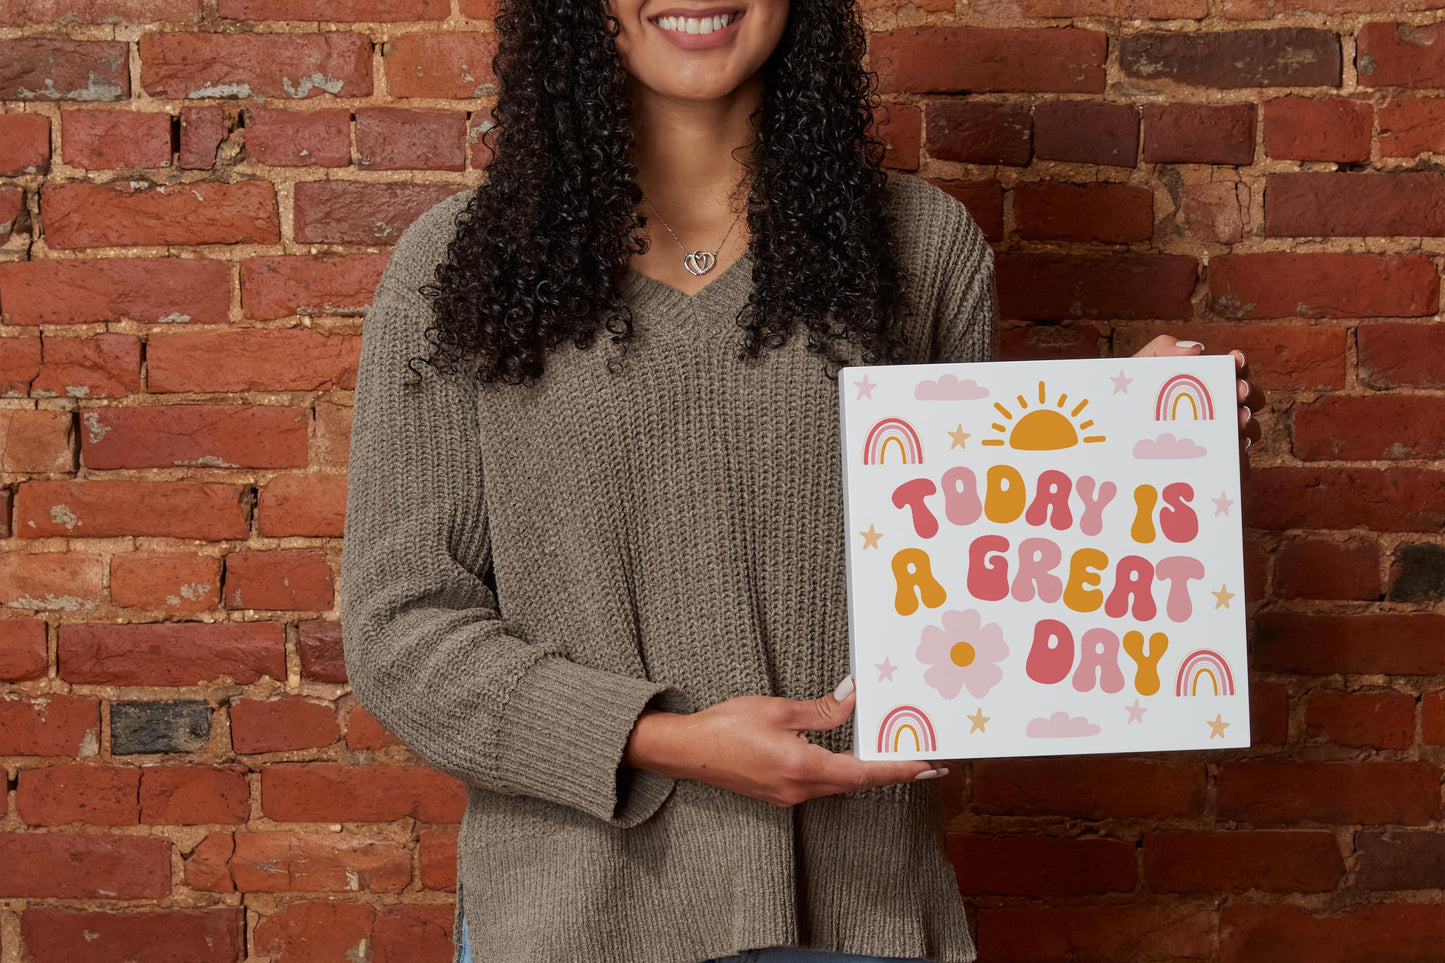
(767, 954)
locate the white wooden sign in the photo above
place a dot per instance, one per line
(1044, 557)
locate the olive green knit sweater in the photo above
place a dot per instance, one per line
(526, 568)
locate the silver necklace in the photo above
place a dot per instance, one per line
(696, 262)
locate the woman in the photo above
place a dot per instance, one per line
(630, 449)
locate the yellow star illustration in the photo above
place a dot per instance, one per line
(870, 537)
(1217, 726)
(959, 437)
(1222, 597)
(978, 719)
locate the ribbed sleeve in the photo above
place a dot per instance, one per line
(428, 653)
(967, 327)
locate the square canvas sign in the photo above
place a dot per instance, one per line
(1044, 557)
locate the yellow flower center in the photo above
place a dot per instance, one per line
(962, 653)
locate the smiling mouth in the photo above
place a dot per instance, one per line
(700, 25)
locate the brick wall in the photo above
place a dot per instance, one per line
(196, 198)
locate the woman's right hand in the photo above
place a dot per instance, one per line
(758, 746)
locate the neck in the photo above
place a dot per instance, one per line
(685, 157)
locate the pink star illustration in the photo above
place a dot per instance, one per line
(1121, 383)
(1222, 503)
(885, 670)
(865, 387)
(1136, 712)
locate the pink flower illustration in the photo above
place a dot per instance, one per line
(964, 652)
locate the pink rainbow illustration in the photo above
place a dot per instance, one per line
(1198, 664)
(1181, 390)
(914, 721)
(896, 430)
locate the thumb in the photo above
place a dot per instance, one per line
(827, 711)
(1165, 346)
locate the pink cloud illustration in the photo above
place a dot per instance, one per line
(949, 388)
(1167, 446)
(1061, 725)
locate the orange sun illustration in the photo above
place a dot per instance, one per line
(1043, 428)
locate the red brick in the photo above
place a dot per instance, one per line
(481, 124)
(1380, 719)
(1088, 788)
(115, 215)
(171, 653)
(290, 579)
(1410, 126)
(1113, 213)
(1399, 355)
(101, 366)
(1398, 859)
(347, 11)
(165, 581)
(85, 291)
(319, 644)
(36, 440)
(979, 131)
(352, 212)
(22, 650)
(1236, 861)
(324, 792)
(1317, 568)
(305, 284)
(1177, 932)
(77, 793)
(1212, 211)
(1306, 128)
(281, 725)
(400, 138)
(446, 66)
(1270, 792)
(19, 364)
(487, 9)
(1401, 54)
(1281, 284)
(1034, 342)
(100, 11)
(364, 732)
(295, 138)
(1226, 59)
(192, 795)
(48, 70)
(252, 360)
(206, 935)
(1087, 132)
(24, 144)
(49, 725)
(1268, 713)
(1199, 133)
(436, 851)
(205, 435)
(1399, 500)
(1265, 9)
(1049, 286)
(202, 131)
(932, 60)
(1408, 933)
(190, 65)
(108, 139)
(302, 504)
(900, 127)
(314, 931)
(1432, 718)
(1360, 428)
(984, 200)
(284, 862)
(1349, 204)
(12, 211)
(1065, 9)
(69, 866)
(55, 581)
(178, 509)
(1032, 865)
(1368, 644)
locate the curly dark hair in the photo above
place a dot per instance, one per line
(549, 237)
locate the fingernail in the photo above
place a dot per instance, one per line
(1189, 344)
(1247, 413)
(1247, 443)
(844, 687)
(931, 774)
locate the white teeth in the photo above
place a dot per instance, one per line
(705, 25)
(695, 25)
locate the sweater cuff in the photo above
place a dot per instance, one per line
(563, 732)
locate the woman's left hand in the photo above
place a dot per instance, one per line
(1248, 396)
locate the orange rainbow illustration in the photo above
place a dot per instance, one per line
(910, 448)
(1182, 395)
(1043, 429)
(915, 722)
(1201, 663)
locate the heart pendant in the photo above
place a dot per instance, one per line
(700, 262)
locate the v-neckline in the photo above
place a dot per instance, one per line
(735, 275)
